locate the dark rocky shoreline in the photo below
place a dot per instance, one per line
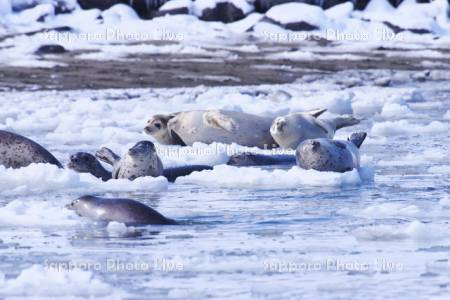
(182, 70)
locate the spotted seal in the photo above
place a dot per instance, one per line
(17, 151)
(141, 160)
(330, 155)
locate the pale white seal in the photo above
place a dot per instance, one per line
(208, 126)
(290, 130)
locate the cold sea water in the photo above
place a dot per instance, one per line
(380, 232)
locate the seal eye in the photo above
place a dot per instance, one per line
(158, 125)
(315, 145)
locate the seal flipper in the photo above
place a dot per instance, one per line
(176, 138)
(357, 138)
(218, 120)
(345, 121)
(106, 155)
(173, 173)
(316, 112)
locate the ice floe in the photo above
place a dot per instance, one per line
(415, 230)
(257, 178)
(42, 282)
(45, 178)
(38, 213)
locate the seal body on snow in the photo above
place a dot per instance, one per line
(330, 155)
(290, 130)
(126, 211)
(246, 159)
(141, 160)
(208, 126)
(17, 151)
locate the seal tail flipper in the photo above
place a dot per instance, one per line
(316, 112)
(357, 138)
(345, 121)
(176, 138)
(173, 173)
(218, 120)
(106, 155)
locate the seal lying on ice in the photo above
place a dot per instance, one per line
(141, 160)
(125, 211)
(208, 126)
(289, 131)
(17, 151)
(83, 162)
(246, 159)
(330, 155)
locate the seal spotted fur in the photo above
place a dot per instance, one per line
(330, 155)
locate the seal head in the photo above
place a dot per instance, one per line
(83, 162)
(290, 130)
(157, 127)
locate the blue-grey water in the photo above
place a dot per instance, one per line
(386, 239)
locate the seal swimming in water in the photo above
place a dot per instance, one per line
(127, 211)
(17, 151)
(330, 155)
(141, 160)
(289, 131)
(208, 126)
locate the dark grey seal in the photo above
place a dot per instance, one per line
(127, 211)
(246, 159)
(83, 162)
(330, 155)
(17, 151)
(50, 49)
